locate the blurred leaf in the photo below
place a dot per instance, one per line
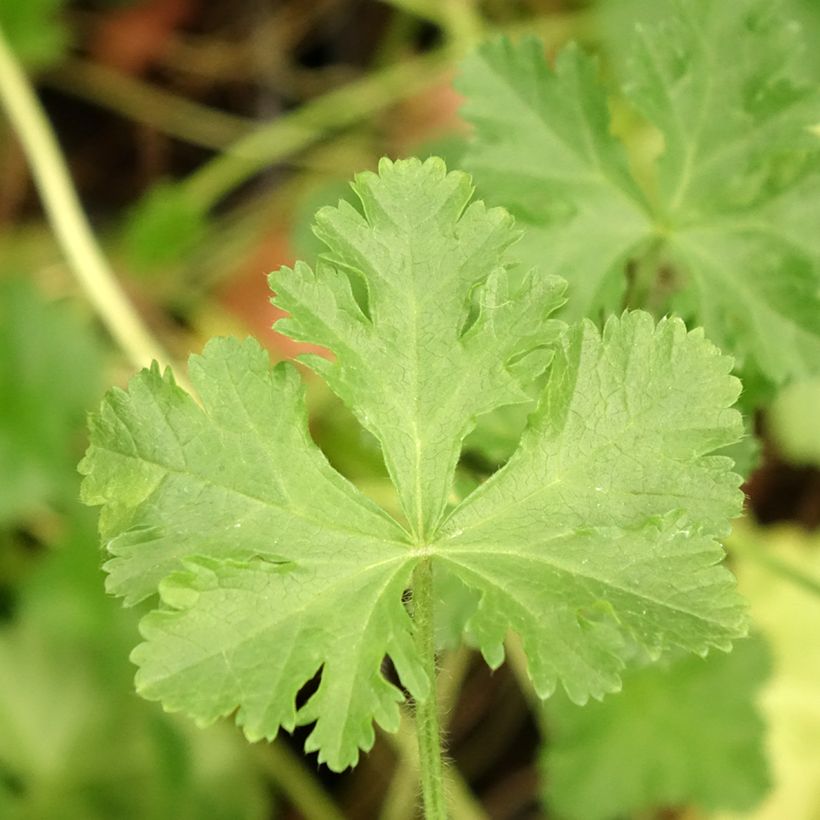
(496, 434)
(543, 150)
(725, 232)
(35, 30)
(75, 741)
(794, 422)
(456, 603)
(789, 618)
(683, 733)
(50, 369)
(163, 228)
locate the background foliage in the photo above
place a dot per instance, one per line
(202, 138)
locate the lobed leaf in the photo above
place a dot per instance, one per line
(729, 218)
(543, 149)
(600, 532)
(602, 525)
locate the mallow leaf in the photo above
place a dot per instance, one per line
(599, 532)
(727, 224)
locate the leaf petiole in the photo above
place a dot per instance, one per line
(427, 718)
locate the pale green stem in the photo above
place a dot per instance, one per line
(347, 106)
(427, 717)
(168, 113)
(67, 217)
(400, 800)
(311, 122)
(291, 776)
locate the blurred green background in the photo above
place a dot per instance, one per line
(202, 135)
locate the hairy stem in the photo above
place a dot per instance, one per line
(400, 800)
(427, 717)
(67, 217)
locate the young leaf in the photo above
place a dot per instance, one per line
(685, 732)
(731, 212)
(271, 567)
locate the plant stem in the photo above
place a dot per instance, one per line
(168, 113)
(67, 217)
(290, 775)
(346, 106)
(310, 123)
(401, 796)
(427, 718)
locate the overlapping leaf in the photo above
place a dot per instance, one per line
(686, 732)
(599, 532)
(732, 211)
(543, 150)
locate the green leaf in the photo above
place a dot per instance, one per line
(685, 732)
(739, 178)
(600, 531)
(48, 380)
(730, 224)
(66, 703)
(297, 559)
(405, 363)
(609, 496)
(543, 150)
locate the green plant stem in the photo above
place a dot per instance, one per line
(347, 106)
(168, 113)
(307, 125)
(289, 774)
(427, 717)
(67, 217)
(399, 803)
